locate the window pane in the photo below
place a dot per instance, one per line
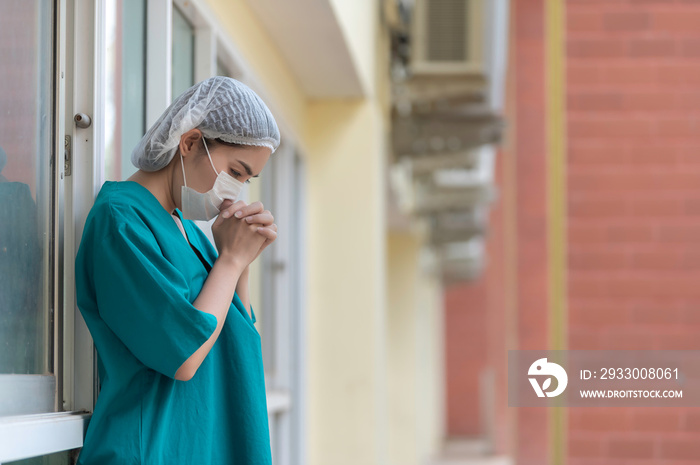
(26, 143)
(125, 110)
(183, 54)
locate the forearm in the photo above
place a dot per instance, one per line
(215, 298)
(242, 289)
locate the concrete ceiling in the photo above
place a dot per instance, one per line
(309, 36)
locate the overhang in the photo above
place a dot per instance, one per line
(308, 34)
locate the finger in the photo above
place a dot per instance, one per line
(220, 217)
(264, 218)
(272, 227)
(253, 208)
(268, 233)
(225, 204)
(228, 212)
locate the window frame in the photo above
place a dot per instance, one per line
(31, 435)
(283, 317)
(24, 389)
(176, 11)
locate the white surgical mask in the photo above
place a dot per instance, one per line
(205, 206)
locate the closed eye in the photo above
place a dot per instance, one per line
(237, 174)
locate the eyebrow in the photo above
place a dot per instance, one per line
(247, 168)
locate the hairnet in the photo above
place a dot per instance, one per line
(221, 107)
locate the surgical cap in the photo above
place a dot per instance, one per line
(221, 107)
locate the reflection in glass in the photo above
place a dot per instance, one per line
(26, 139)
(125, 93)
(183, 53)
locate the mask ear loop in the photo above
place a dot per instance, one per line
(182, 165)
(182, 162)
(209, 155)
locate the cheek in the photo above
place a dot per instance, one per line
(206, 183)
(205, 177)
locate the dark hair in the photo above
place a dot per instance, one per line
(221, 141)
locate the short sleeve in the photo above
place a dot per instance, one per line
(144, 300)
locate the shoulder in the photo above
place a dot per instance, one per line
(126, 201)
(18, 189)
(123, 227)
(120, 206)
(17, 198)
(121, 198)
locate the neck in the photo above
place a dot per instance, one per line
(160, 184)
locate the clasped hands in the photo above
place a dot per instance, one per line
(252, 214)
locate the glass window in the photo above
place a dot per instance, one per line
(26, 206)
(183, 53)
(125, 92)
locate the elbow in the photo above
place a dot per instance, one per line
(185, 372)
(190, 366)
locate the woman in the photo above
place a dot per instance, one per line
(179, 357)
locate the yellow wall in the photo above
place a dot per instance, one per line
(356, 19)
(414, 352)
(346, 283)
(402, 370)
(431, 364)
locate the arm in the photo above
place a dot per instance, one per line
(242, 289)
(215, 298)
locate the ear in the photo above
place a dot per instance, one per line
(189, 141)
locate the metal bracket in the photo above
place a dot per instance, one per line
(68, 156)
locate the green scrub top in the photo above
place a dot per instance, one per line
(136, 278)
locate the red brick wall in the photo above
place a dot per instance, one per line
(500, 325)
(532, 446)
(465, 327)
(633, 99)
(633, 233)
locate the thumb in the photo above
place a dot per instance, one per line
(225, 204)
(217, 221)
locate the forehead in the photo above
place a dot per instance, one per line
(254, 156)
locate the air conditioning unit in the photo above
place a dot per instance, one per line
(447, 37)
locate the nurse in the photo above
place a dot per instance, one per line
(179, 357)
